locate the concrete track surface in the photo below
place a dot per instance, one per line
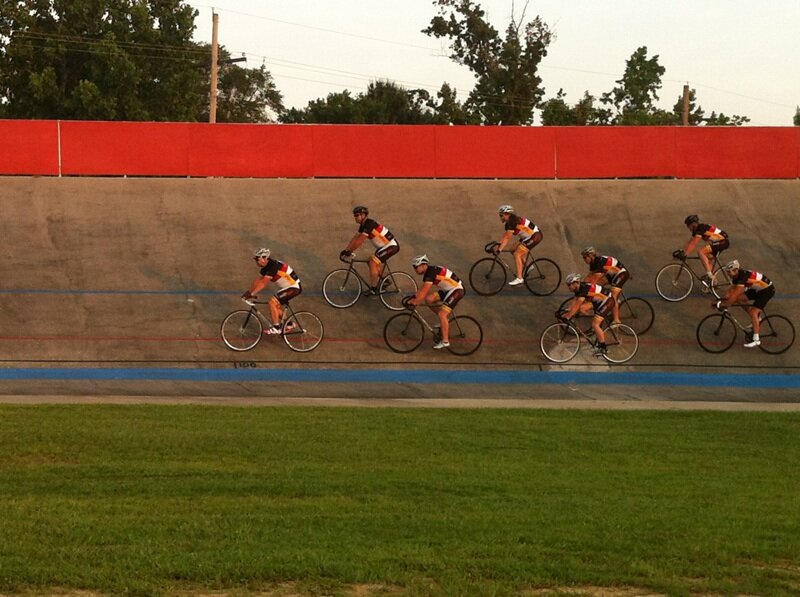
(135, 275)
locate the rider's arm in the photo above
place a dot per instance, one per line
(574, 307)
(691, 244)
(505, 240)
(422, 293)
(732, 296)
(355, 242)
(258, 285)
(594, 276)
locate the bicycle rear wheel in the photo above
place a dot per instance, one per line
(674, 282)
(394, 287)
(720, 283)
(637, 313)
(241, 330)
(560, 342)
(622, 343)
(716, 333)
(303, 331)
(403, 332)
(542, 276)
(341, 288)
(777, 334)
(487, 276)
(466, 335)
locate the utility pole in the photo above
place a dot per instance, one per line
(212, 110)
(686, 105)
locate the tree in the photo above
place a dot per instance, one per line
(695, 112)
(722, 120)
(507, 87)
(112, 60)
(797, 116)
(556, 111)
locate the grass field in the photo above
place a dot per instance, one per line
(166, 499)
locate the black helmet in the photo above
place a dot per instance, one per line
(360, 209)
(692, 219)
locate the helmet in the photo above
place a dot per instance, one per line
(731, 265)
(419, 260)
(505, 209)
(261, 253)
(693, 219)
(360, 209)
(588, 251)
(572, 278)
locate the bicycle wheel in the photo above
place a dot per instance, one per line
(403, 332)
(341, 288)
(394, 287)
(542, 276)
(720, 283)
(302, 331)
(487, 276)
(674, 282)
(637, 313)
(777, 334)
(241, 330)
(560, 342)
(466, 335)
(716, 333)
(622, 342)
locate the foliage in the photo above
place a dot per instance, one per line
(556, 111)
(797, 116)
(507, 87)
(115, 60)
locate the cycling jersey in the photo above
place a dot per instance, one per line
(709, 233)
(442, 277)
(597, 295)
(377, 233)
(522, 227)
(281, 274)
(751, 280)
(606, 265)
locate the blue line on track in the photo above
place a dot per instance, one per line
(426, 376)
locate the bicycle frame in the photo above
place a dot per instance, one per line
(384, 271)
(716, 336)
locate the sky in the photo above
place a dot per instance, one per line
(742, 57)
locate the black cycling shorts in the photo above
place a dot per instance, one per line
(450, 299)
(386, 251)
(760, 298)
(534, 240)
(618, 280)
(719, 246)
(287, 294)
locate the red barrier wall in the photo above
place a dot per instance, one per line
(374, 151)
(29, 147)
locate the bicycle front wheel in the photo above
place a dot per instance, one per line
(394, 287)
(466, 335)
(720, 283)
(341, 288)
(674, 282)
(241, 330)
(560, 342)
(777, 334)
(403, 333)
(637, 313)
(303, 331)
(543, 276)
(622, 343)
(487, 276)
(716, 333)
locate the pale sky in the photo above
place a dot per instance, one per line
(741, 56)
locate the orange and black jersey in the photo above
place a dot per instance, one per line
(751, 280)
(710, 233)
(592, 292)
(522, 227)
(281, 274)
(379, 235)
(606, 265)
(442, 277)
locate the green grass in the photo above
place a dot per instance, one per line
(158, 499)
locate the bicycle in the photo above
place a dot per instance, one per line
(675, 281)
(343, 287)
(561, 341)
(635, 312)
(717, 332)
(243, 329)
(404, 332)
(488, 275)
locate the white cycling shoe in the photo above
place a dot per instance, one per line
(441, 344)
(516, 282)
(753, 343)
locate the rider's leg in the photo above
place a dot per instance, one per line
(597, 322)
(615, 293)
(444, 320)
(519, 258)
(275, 311)
(705, 257)
(375, 267)
(755, 318)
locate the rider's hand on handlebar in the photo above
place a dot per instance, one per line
(719, 306)
(248, 297)
(406, 302)
(679, 254)
(344, 254)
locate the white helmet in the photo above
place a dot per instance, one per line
(572, 278)
(731, 265)
(419, 260)
(505, 209)
(261, 253)
(588, 251)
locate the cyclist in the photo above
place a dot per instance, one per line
(529, 236)
(716, 238)
(747, 285)
(609, 269)
(384, 241)
(285, 278)
(451, 290)
(589, 297)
